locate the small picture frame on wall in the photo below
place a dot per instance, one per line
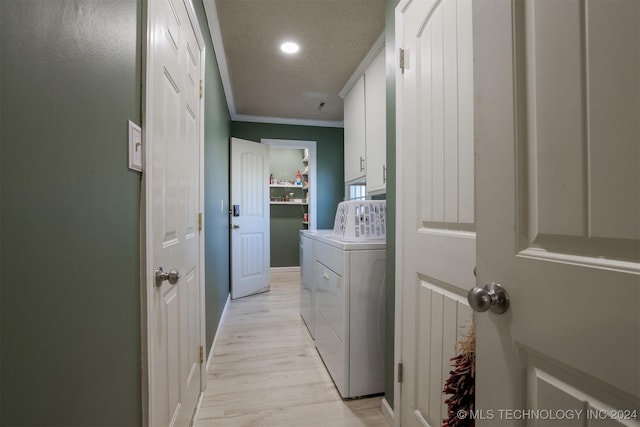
(135, 147)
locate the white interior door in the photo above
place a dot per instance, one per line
(172, 186)
(436, 245)
(250, 257)
(557, 112)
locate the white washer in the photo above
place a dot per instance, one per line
(349, 281)
(307, 288)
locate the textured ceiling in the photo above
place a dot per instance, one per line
(335, 36)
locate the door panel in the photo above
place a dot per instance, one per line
(354, 133)
(375, 97)
(557, 105)
(250, 244)
(435, 197)
(579, 127)
(444, 317)
(190, 310)
(172, 176)
(250, 257)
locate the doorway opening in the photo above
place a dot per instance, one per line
(293, 204)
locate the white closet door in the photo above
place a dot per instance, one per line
(558, 194)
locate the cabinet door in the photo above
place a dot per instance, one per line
(354, 133)
(376, 125)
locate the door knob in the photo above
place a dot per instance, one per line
(173, 276)
(490, 297)
(235, 226)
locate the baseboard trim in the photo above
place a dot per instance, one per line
(387, 411)
(196, 412)
(215, 337)
(285, 269)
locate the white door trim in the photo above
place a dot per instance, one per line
(311, 146)
(146, 236)
(397, 348)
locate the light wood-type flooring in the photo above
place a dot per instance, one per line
(266, 371)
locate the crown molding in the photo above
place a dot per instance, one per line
(285, 121)
(366, 62)
(218, 47)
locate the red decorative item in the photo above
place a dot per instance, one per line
(461, 385)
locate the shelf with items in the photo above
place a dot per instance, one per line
(285, 186)
(287, 194)
(278, 202)
(289, 185)
(305, 212)
(305, 189)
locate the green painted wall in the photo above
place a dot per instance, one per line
(284, 163)
(70, 271)
(216, 187)
(285, 225)
(391, 196)
(330, 159)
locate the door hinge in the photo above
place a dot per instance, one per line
(201, 355)
(402, 60)
(201, 89)
(399, 372)
(200, 221)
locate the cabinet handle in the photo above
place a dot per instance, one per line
(384, 174)
(361, 164)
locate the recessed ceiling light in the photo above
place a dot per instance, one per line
(290, 47)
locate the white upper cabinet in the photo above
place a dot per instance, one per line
(376, 125)
(354, 132)
(365, 127)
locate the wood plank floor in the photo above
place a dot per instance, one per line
(266, 371)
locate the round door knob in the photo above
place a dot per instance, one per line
(172, 276)
(491, 296)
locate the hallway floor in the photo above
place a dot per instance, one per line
(266, 371)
